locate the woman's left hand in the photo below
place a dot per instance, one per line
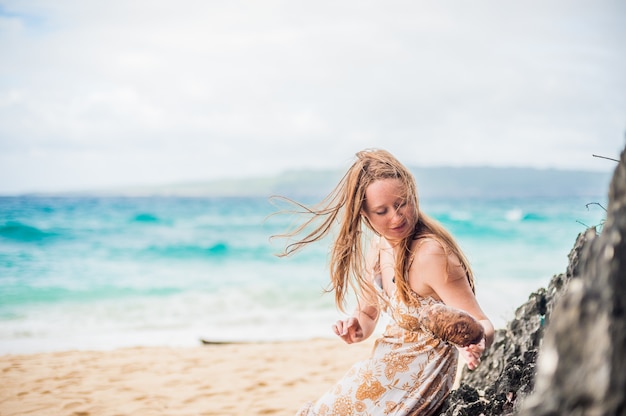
(472, 353)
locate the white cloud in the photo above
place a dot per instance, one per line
(93, 94)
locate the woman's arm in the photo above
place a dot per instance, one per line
(362, 323)
(359, 326)
(442, 277)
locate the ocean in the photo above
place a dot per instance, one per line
(108, 272)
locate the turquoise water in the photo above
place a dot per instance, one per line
(99, 273)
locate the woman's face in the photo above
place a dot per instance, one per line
(388, 210)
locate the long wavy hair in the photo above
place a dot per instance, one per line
(343, 208)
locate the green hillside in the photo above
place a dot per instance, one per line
(439, 182)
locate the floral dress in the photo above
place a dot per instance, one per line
(409, 373)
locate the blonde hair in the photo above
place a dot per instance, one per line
(343, 207)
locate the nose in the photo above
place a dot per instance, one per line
(397, 215)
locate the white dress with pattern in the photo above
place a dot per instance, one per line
(409, 373)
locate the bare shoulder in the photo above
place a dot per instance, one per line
(429, 252)
(428, 266)
(427, 247)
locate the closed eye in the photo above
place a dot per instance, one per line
(400, 204)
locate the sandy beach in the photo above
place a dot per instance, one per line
(227, 379)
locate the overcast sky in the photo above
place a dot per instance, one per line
(130, 92)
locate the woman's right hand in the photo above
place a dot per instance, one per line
(472, 353)
(349, 330)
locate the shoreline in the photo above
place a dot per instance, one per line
(262, 378)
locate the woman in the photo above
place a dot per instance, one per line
(410, 264)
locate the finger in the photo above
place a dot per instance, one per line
(475, 364)
(479, 346)
(474, 357)
(352, 322)
(346, 326)
(339, 328)
(475, 350)
(470, 359)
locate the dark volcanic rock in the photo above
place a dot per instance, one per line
(582, 363)
(580, 366)
(507, 370)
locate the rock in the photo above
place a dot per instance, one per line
(507, 370)
(580, 366)
(452, 325)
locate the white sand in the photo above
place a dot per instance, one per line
(231, 379)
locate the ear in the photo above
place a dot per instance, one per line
(364, 215)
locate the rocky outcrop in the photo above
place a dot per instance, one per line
(582, 363)
(579, 366)
(506, 373)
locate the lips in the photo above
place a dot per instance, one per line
(397, 233)
(399, 228)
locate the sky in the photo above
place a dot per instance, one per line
(141, 92)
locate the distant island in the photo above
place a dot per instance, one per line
(433, 183)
